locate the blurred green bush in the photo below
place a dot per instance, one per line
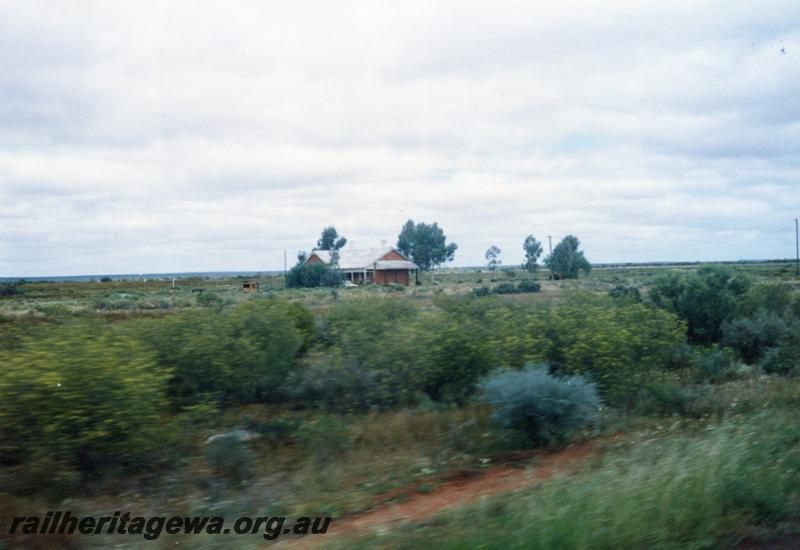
(240, 355)
(78, 397)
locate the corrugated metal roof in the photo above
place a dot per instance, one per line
(364, 258)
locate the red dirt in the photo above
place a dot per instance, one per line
(462, 487)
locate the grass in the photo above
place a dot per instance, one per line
(685, 490)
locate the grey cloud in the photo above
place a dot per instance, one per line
(161, 137)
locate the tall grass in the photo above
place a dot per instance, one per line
(686, 491)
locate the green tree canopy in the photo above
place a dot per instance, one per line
(492, 255)
(533, 249)
(567, 261)
(330, 239)
(425, 244)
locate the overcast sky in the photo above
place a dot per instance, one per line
(182, 136)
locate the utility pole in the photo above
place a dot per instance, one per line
(284, 263)
(550, 241)
(797, 246)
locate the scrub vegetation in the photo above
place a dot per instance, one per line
(330, 400)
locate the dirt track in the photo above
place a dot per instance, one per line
(462, 487)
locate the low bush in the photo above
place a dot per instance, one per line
(382, 352)
(451, 352)
(11, 289)
(785, 357)
(625, 293)
(528, 285)
(274, 431)
(673, 399)
(343, 385)
(521, 287)
(545, 408)
(505, 288)
(241, 355)
(354, 328)
(324, 438)
(81, 398)
(230, 458)
(752, 336)
(718, 364)
(307, 275)
(209, 299)
(705, 299)
(619, 346)
(119, 302)
(777, 298)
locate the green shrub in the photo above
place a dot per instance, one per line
(505, 288)
(119, 302)
(81, 398)
(777, 298)
(355, 326)
(753, 336)
(625, 293)
(342, 385)
(275, 430)
(8, 289)
(200, 415)
(324, 438)
(715, 365)
(705, 299)
(379, 347)
(680, 358)
(209, 299)
(451, 353)
(618, 346)
(785, 357)
(312, 275)
(229, 457)
(545, 408)
(672, 399)
(528, 285)
(481, 291)
(240, 355)
(304, 321)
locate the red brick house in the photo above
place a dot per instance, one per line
(382, 266)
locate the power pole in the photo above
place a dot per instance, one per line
(284, 263)
(550, 241)
(797, 246)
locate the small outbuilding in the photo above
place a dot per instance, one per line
(383, 266)
(250, 286)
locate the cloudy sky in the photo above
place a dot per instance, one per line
(182, 136)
